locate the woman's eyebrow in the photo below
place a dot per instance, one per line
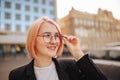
(56, 33)
(46, 32)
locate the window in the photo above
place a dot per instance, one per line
(92, 23)
(35, 18)
(51, 3)
(7, 5)
(81, 32)
(101, 24)
(7, 27)
(18, 17)
(84, 22)
(43, 11)
(80, 21)
(76, 20)
(35, 9)
(27, 27)
(96, 24)
(51, 12)
(18, 6)
(27, 0)
(27, 8)
(36, 1)
(54, 19)
(7, 15)
(18, 27)
(27, 17)
(43, 1)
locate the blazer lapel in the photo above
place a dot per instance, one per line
(30, 71)
(61, 71)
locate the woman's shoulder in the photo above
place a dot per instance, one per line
(69, 66)
(20, 71)
(16, 73)
(67, 62)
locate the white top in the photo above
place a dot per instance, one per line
(46, 73)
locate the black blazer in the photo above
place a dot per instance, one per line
(67, 69)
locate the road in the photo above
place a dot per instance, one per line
(110, 68)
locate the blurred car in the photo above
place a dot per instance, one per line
(107, 52)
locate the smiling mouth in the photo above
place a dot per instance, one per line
(51, 47)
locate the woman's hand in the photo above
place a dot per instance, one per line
(73, 45)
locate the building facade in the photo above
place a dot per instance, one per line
(93, 30)
(16, 17)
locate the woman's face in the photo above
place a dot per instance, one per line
(48, 40)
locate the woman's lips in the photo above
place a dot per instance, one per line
(51, 47)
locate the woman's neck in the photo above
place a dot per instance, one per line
(42, 62)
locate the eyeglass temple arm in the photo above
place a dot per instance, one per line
(63, 36)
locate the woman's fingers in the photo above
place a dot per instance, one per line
(71, 39)
(66, 40)
(73, 45)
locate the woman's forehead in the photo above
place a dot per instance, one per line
(48, 27)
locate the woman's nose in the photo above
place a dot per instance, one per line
(52, 39)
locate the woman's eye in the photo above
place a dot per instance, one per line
(57, 35)
(46, 35)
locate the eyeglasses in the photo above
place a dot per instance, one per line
(47, 37)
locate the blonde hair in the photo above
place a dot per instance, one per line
(32, 35)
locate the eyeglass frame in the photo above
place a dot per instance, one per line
(50, 37)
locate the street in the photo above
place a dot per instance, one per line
(110, 68)
(9, 63)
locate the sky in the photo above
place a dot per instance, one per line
(90, 6)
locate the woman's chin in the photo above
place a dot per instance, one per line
(52, 54)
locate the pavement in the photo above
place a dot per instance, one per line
(11, 62)
(111, 69)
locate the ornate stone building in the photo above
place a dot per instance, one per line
(93, 30)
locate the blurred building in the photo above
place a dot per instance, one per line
(93, 30)
(15, 18)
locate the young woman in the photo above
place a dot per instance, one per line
(44, 44)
